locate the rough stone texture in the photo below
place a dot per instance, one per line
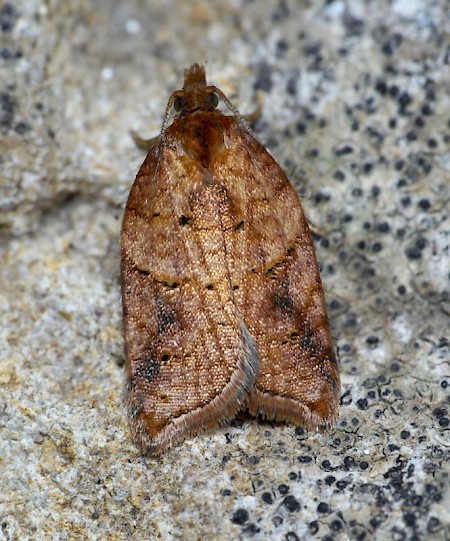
(356, 108)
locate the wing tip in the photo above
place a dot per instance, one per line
(153, 440)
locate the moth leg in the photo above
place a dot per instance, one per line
(145, 144)
(252, 117)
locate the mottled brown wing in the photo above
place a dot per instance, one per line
(277, 286)
(190, 357)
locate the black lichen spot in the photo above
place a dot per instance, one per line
(372, 340)
(362, 403)
(424, 204)
(8, 17)
(240, 517)
(341, 485)
(376, 190)
(394, 91)
(404, 99)
(320, 196)
(300, 127)
(343, 150)
(427, 110)
(383, 227)
(280, 12)
(6, 54)
(251, 529)
(419, 122)
(353, 26)
(381, 87)
(349, 463)
(339, 175)
(264, 77)
(291, 85)
(22, 127)
(277, 520)
(414, 251)
(336, 526)
(312, 49)
(376, 136)
(376, 521)
(434, 525)
(395, 367)
(8, 106)
(367, 168)
(291, 503)
(281, 47)
(326, 465)
(439, 413)
(323, 507)
(267, 498)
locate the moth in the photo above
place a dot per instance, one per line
(222, 299)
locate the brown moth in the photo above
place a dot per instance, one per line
(223, 303)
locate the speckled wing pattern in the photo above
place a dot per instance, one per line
(223, 304)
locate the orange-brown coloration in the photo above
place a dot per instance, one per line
(223, 303)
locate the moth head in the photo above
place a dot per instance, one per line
(198, 97)
(194, 99)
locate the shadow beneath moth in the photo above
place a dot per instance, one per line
(222, 298)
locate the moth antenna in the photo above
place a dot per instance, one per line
(168, 111)
(233, 109)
